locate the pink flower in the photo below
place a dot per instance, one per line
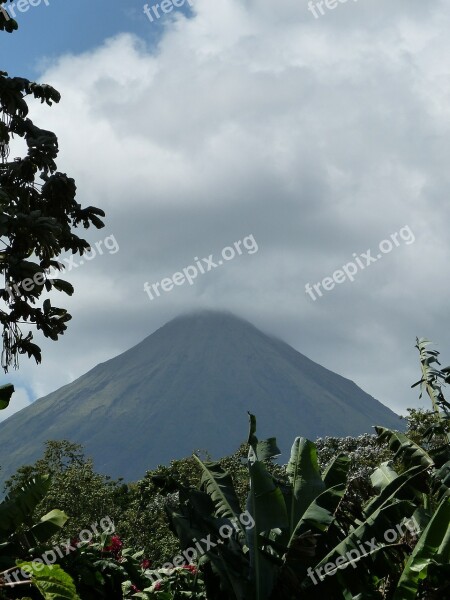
(158, 586)
(191, 568)
(115, 547)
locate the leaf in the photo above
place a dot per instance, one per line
(312, 529)
(403, 447)
(252, 439)
(398, 487)
(6, 391)
(372, 530)
(49, 524)
(382, 476)
(63, 286)
(266, 505)
(304, 476)
(336, 472)
(18, 506)
(267, 449)
(219, 485)
(433, 545)
(51, 581)
(268, 509)
(441, 481)
(320, 513)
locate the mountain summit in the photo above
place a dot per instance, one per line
(189, 386)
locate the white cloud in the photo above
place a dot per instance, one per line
(320, 137)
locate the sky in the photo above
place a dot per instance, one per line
(315, 147)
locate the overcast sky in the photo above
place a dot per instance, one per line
(320, 137)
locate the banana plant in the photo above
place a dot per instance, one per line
(432, 381)
(408, 565)
(280, 516)
(306, 544)
(426, 566)
(20, 534)
(22, 538)
(432, 552)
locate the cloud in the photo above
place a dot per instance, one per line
(321, 137)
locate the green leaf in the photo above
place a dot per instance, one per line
(441, 481)
(373, 529)
(336, 472)
(382, 476)
(433, 545)
(49, 524)
(17, 508)
(402, 485)
(252, 439)
(51, 581)
(267, 505)
(267, 449)
(219, 485)
(6, 391)
(410, 452)
(311, 529)
(305, 479)
(320, 513)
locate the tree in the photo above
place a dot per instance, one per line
(83, 494)
(365, 453)
(38, 216)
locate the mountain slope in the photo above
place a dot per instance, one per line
(189, 386)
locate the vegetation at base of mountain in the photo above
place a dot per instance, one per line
(75, 487)
(306, 534)
(139, 509)
(345, 519)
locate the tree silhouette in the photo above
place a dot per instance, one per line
(38, 215)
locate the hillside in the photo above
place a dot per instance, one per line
(189, 386)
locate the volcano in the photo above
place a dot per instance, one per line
(188, 387)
